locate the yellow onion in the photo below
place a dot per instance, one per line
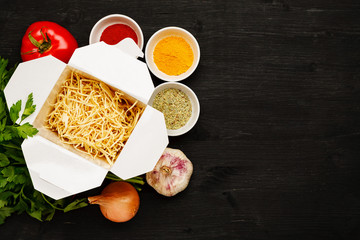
(119, 201)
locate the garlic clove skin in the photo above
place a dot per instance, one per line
(171, 174)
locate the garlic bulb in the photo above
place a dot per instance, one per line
(171, 174)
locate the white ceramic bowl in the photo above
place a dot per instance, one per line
(167, 32)
(109, 20)
(194, 104)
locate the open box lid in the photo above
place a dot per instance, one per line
(58, 172)
(112, 66)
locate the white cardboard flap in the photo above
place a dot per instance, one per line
(144, 147)
(47, 188)
(128, 46)
(115, 68)
(38, 77)
(60, 167)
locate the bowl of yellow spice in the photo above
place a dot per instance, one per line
(179, 105)
(172, 54)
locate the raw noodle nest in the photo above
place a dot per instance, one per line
(92, 118)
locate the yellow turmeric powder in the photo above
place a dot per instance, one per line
(173, 55)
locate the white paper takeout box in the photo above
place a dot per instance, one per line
(60, 172)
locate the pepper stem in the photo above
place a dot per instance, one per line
(166, 170)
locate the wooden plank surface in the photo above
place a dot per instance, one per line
(276, 150)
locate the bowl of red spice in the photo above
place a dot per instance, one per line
(172, 54)
(113, 28)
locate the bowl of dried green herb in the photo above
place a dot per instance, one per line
(179, 105)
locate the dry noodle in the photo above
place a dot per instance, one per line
(92, 118)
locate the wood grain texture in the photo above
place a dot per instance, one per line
(276, 149)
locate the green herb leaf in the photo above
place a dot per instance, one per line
(35, 214)
(4, 161)
(50, 215)
(11, 186)
(14, 111)
(6, 134)
(3, 203)
(29, 107)
(20, 206)
(20, 179)
(15, 155)
(26, 130)
(4, 63)
(3, 182)
(79, 203)
(4, 213)
(5, 198)
(5, 74)
(10, 145)
(3, 122)
(9, 173)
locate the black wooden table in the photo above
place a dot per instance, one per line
(276, 150)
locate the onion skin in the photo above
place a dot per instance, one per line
(171, 174)
(119, 201)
